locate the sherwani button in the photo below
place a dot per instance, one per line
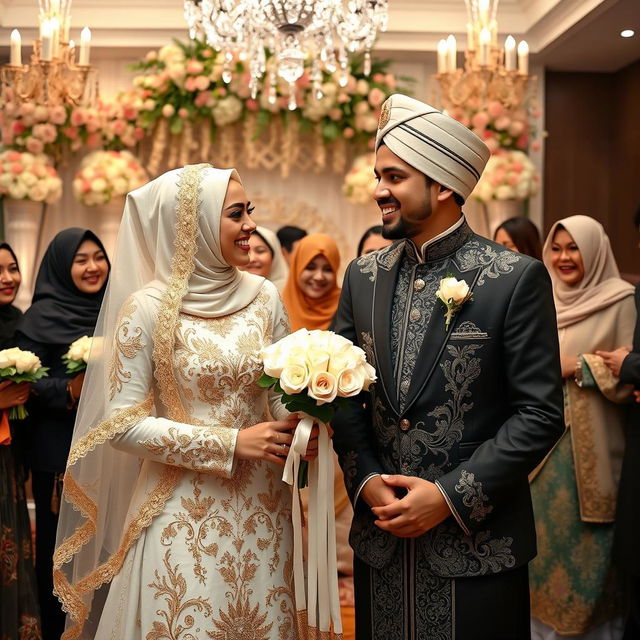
(418, 285)
(405, 425)
(415, 315)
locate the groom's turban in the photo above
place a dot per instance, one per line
(433, 143)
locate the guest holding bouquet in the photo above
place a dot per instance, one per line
(69, 288)
(574, 588)
(18, 593)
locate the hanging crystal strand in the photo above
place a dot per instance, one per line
(316, 78)
(226, 70)
(272, 97)
(344, 74)
(367, 63)
(293, 105)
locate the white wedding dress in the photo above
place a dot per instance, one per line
(217, 561)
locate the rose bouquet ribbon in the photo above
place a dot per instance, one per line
(314, 372)
(20, 366)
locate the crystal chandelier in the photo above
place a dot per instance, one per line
(275, 37)
(490, 73)
(53, 76)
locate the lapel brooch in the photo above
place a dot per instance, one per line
(453, 294)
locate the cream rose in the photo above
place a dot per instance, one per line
(369, 375)
(452, 291)
(5, 359)
(28, 362)
(294, 378)
(323, 387)
(317, 359)
(351, 382)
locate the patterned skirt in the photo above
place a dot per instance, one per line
(574, 587)
(19, 614)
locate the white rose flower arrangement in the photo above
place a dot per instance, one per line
(77, 357)
(104, 175)
(453, 294)
(509, 175)
(18, 366)
(28, 176)
(360, 182)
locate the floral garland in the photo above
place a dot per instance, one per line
(186, 81)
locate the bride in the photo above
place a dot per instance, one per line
(176, 523)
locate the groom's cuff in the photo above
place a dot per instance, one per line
(359, 489)
(454, 512)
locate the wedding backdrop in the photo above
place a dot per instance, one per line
(302, 146)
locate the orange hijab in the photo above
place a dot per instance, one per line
(304, 311)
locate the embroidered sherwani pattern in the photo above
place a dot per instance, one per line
(215, 562)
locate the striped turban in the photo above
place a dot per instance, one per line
(433, 143)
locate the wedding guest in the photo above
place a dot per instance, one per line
(624, 363)
(192, 533)
(19, 615)
(265, 257)
(372, 240)
(521, 235)
(69, 288)
(311, 294)
(574, 587)
(289, 236)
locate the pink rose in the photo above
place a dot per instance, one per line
(516, 128)
(58, 115)
(390, 79)
(378, 77)
(78, 117)
(18, 127)
(523, 141)
(94, 140)
(190, 84)
(39, 170)
(194, 67)
(168, 110)
(480, 120)
(151, 56)
(207, 53)
(14, 156)
(535, 145)
(130, 113)
(34, 145)
(222, 91)
(495, 109)
(348, 133)
(70, 132)
(202, 83)
(119, 127)
(252, 105)
(513, 179)
(376, 97)
(343, 97)
(517, 166)
(45, 132)
(26, 109)
(17, 168)
(183, 112)
(201, 99)
(503, 122)
(7, 136)
(138, 133)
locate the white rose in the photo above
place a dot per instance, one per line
(17, 191)
(317, 359)
(294, 378)
(28, 179)
(452, 290)
(323, 387)
(350, 382)
(505, 192)
(272, 360)
(319, 339)
(5, 359)
(369, 375)
(38, 192)
(27, 361)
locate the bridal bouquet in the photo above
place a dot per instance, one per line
(78, 355)
(20, 366)
(314, 372)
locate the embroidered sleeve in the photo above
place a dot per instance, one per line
(192, 446)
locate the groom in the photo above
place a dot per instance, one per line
(467, 403)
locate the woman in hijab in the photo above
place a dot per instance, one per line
(265, 257)
(176, 521)
(19, 616)
(574, 589)
(69, 288)
(311, 294)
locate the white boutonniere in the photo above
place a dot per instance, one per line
(453, 294)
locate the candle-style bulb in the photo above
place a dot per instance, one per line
(47, 41)
(442, 56)
(485, 45)
(85, 45)
(452, 52)
(523, 58)
(16, 49)
(510, 53)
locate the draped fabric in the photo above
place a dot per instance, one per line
(56, 296)
(304, 311)
(168, 254)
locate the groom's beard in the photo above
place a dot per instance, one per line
(404, 228)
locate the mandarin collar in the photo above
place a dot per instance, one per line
(445, 243)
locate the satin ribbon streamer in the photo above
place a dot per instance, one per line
(323, 608)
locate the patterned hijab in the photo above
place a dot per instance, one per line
(304, 311)
(601, 285)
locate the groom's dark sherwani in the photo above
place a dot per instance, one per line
(473, 408)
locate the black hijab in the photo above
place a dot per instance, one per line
(60, 313)
(9, 315)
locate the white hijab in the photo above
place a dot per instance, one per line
(279, 268)
(148, 234)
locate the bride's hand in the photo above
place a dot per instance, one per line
(266, 441)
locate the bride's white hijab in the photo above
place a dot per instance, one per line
(168, 253)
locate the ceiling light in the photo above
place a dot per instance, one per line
(628, 33)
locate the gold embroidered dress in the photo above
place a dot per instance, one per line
(217, 559)
(163, 532)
